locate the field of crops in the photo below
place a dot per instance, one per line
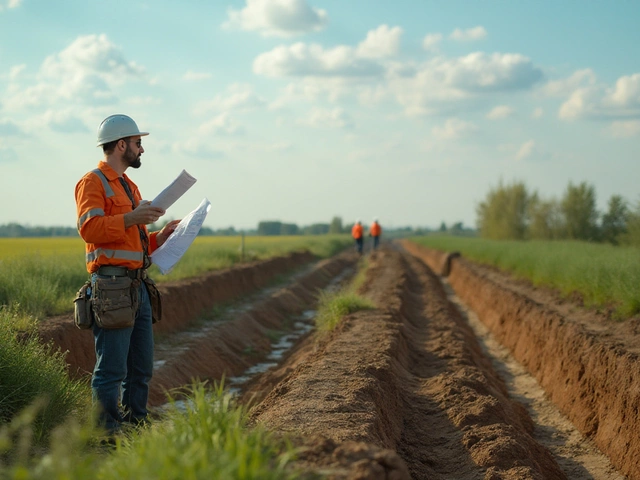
(41, 275)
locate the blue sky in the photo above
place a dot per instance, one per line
(301, 110)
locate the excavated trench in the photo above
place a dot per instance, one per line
(419, 387)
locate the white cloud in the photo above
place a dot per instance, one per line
(381, 42)
(238, 97)
(538, 112)
(191, 76)
(323, 118)
(83, 73)
(431, 41)
(16, 71)
(313, 89)
(526, 150)
(499, 112)
(471, 34)
(9, 4)
(198, 148)
(453, 128)
(625, 129)
(222, 124)
(64, 121)
(564, 87)
(600, 101)
(91, 55)
(302, 60)
(370, 96)
(282, 18)
(443, 81)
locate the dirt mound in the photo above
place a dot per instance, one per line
(406, 383)
(587, 364)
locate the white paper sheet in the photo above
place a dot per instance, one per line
(174, 191)
(168, 254)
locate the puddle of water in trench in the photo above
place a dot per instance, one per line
(303, 324)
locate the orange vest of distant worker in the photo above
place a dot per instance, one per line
(375, 229)
(101, 203)
(356, 231)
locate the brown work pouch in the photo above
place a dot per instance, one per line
(115, 302)
(83, 313)
(155, 298)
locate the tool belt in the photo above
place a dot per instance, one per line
(139, 274)
(113, 271)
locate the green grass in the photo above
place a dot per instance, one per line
(606, 276)
(332, 306)
(41, 276)
(31, 372)
(204, 436)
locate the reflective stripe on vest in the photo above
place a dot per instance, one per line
(105, 183)
(112, 254)
(96, 212)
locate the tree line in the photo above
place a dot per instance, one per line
(513, 212)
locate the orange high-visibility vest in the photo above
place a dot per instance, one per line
(101, 203)
(375, 229)
(356, 231)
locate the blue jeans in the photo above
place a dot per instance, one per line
(123, 369)
(376, 241)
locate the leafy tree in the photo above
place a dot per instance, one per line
(545, 219)
(336, 225)
(503, 214)
(443, 227)
(578, 207)
(614, 221)
(269, 228)
(289, 229)
(316, 229)
(632, 234)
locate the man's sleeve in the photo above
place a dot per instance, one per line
(93, 224)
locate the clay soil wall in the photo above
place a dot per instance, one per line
(592, 379)
(183, 301)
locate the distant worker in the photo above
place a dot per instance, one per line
(358, 235)
(374, 232)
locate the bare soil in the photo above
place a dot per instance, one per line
(460, 372)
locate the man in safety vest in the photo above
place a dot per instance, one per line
(112, 221)
(374, 232)
(358, 235)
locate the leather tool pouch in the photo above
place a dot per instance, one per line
(83, 312)
(115, 302)
(155, 298)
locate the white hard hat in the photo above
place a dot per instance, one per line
(115, 127)
(375, 220)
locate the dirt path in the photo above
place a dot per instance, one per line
(577, 456)
(404, 391)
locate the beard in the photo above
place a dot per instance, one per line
(131, 158)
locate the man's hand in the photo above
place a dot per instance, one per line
(166, 232)
(144, 214)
